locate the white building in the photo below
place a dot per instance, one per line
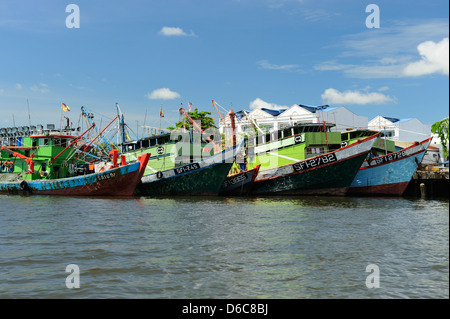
(406, 130)
(273, 119)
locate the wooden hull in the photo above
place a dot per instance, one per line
(120, 181)
(239, 184)
(389, 174)
(327, 174)
(392, 189)
(198, 178)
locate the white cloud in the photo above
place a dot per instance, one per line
(284, 67)
(435, 59)
(333, 96)
(42, 87)
(318, 14)
(175, 31)
(332, 66)
(396, 40)
(391, 52)
(258, 104)
(163, 94)
(18, 86)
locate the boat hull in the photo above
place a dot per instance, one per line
(327, 174)
(120, 181)
(239, 184)
(198, 178)
(389, 174)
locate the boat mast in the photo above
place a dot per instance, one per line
(233, 126)
(89, 117)
(73, 161)
(121, 126)
(326, 137)
(220, 115)
(73, 142)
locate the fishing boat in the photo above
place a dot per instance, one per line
(381, 146)
(51, 165)
(290, 158)
(326, 174)
(239, 183)
(203, 177)
(240, 179)
(169, 149)
(389, 174)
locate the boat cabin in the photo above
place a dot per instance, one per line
(39, 157)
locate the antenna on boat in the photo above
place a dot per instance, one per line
(121, 126)
(161, 114)
(89, 117)
(145, 119)
(220, 115)
(29, 114)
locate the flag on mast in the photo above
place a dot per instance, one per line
(161, 114)
(65, 108)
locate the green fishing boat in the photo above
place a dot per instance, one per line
(306, 158)
(381, 146)
(57, 164)
(204, 177)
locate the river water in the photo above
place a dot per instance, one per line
(202, 247)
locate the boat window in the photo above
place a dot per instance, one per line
(137, 145)
(274, 136)
(314, 150)
(145, 143)
(43, 142)
(287, 132)
(60, 142)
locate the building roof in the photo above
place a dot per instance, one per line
(392, 119)
(240, 114)
(273, 112)
(313, 109)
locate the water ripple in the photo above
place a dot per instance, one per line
(304, 247)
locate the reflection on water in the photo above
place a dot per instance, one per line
(212, 247)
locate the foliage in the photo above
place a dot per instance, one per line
(206, 120)
(441, 129)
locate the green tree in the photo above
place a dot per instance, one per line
(441, 129)
(206, 120)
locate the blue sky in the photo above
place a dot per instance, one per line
(241, 53)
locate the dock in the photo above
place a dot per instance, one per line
(429, 184)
